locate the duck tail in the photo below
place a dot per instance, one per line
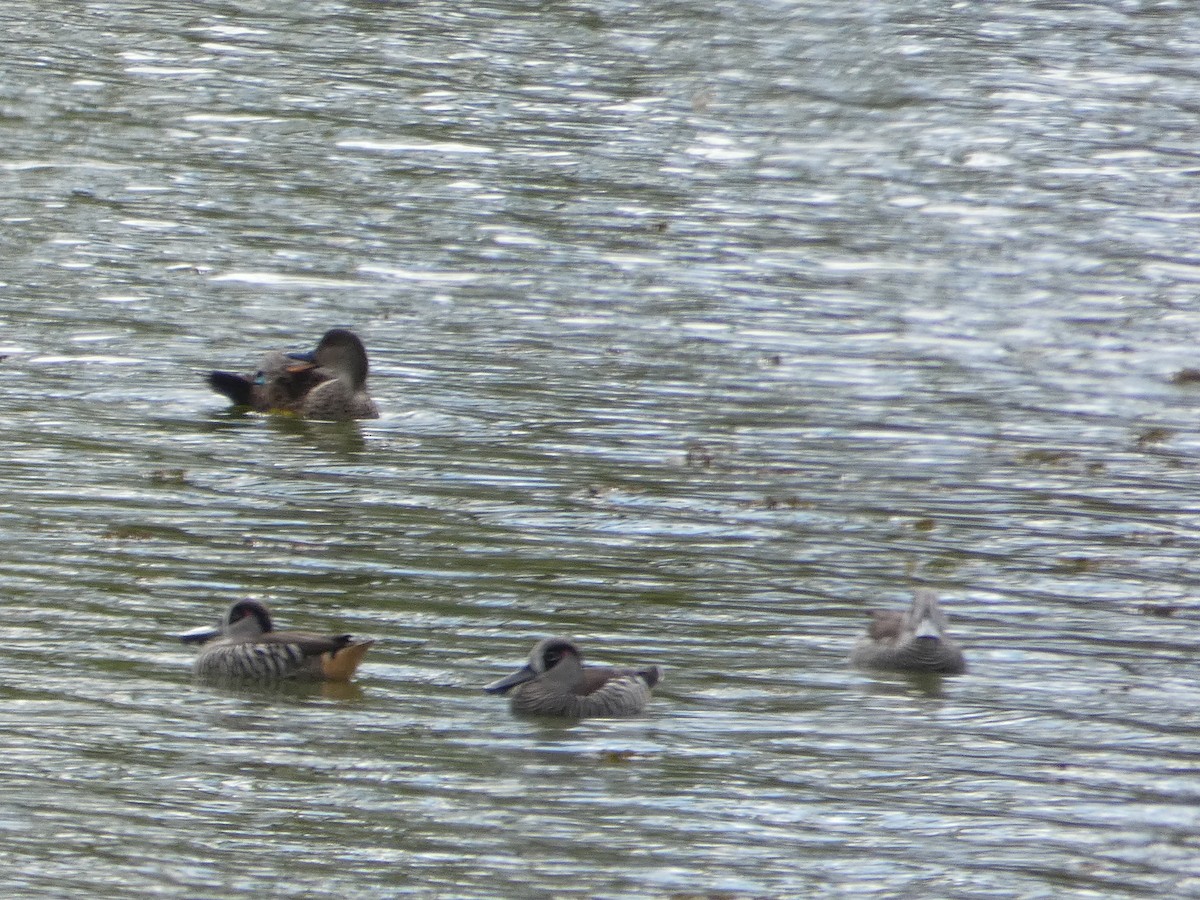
(340, 664)
(237, 388)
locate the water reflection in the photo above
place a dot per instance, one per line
(285, 691)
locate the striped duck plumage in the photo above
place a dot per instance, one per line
(245, 646)
(555, 682)
(328, 383)
(914, 640)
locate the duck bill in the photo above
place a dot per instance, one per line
(309, 356)
(199, 635)
(508, 682)
(928, 629)
(341, 666)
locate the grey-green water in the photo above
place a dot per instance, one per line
(698, 330)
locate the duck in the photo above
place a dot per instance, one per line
(913, 640)
(244, 646)
(329, 382)
(555, 682)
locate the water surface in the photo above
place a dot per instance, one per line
(698, 332)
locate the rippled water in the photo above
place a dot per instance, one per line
(698, 330)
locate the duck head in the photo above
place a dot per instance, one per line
(555, 659)
(925, 618)
(245, 617)
(341, 352)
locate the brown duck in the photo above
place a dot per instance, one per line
(328, 383)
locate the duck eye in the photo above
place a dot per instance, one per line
(552, 658)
